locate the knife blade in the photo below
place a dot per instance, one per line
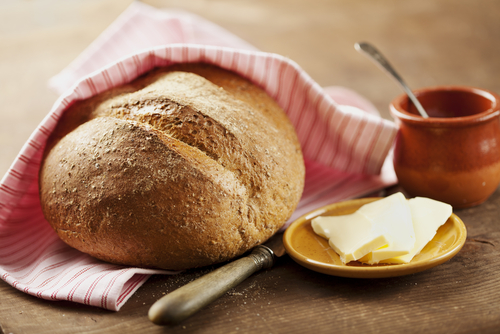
(178, 305)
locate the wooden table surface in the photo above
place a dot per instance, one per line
(452, 42)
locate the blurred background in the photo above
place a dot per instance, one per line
(430, 42)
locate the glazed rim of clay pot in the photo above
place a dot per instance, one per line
(448, 106)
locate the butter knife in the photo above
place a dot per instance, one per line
(190, 298)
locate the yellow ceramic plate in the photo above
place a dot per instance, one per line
(313, 252)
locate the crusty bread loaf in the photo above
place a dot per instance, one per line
(187, 166)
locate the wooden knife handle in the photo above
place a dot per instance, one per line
(187, 300)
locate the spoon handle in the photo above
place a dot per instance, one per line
(374, 54)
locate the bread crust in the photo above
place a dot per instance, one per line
(187, 166)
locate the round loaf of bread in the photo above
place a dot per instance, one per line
(186, 166)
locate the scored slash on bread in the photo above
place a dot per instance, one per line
(186, 166)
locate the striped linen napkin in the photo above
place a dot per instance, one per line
(345, 145)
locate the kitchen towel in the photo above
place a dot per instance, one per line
(345, 144)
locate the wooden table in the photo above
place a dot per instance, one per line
(430, 43)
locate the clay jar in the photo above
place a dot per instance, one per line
(454, 155)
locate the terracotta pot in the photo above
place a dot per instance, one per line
(454, 155)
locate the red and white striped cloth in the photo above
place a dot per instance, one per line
(345, 145)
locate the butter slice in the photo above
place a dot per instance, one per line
(351, 236)
(377, 231)
(428, 215)
(392, 217)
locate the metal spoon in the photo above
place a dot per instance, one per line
(374, 54)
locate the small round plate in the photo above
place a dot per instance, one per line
(313, 252)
